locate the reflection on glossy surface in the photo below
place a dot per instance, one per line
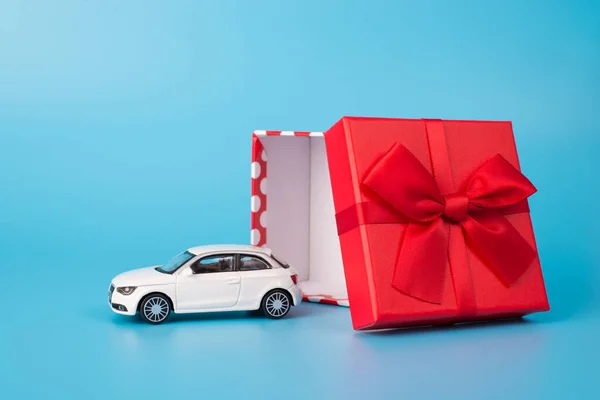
(314, 350)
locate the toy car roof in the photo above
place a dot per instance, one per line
(235, 248)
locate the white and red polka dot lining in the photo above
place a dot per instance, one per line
(258, 202)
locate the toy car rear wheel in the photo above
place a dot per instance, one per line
(155, 308)
(276, 304)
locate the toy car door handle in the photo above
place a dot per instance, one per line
(234, 281)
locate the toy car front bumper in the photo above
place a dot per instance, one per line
(121, 304)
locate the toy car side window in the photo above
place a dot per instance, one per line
(251, 263)
(212, 264)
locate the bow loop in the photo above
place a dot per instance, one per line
(497, 184)
(400, 180)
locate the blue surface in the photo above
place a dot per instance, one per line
(125, 138)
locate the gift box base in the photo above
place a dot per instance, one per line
(294, 215)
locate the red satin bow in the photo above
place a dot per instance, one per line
(405, 184)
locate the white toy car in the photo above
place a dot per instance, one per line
(205, 279)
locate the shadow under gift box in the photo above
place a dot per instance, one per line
(329, 211)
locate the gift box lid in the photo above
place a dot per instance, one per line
(433, 221)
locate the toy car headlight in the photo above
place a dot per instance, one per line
(126, 290)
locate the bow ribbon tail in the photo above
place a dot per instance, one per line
(421, 263)
(498, 243)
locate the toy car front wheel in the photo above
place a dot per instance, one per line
(276, 304)
(155, 309)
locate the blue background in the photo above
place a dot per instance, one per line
(125, 132)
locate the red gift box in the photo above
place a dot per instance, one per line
(432, 218)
